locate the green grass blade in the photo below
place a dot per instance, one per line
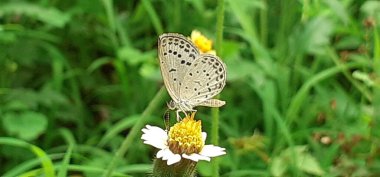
(46, 162)
(118, 127)
(297, 101)
(153, 16)
(28, 165)
(128, 141)
(68, 136)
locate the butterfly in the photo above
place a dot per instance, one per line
(191, 78)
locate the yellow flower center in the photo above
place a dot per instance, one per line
(203, 44)
(185, 137)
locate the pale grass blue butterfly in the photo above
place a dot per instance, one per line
(191, 78)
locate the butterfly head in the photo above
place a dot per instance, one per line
(171, 105)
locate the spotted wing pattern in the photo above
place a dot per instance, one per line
(205, 79)
(176, 54)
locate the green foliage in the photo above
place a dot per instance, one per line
(304, 161)
(49, 16)
(27, 125)
(79, 79)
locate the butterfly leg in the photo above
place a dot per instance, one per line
(178, 116)
(191, 116)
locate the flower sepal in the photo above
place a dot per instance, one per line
(185, 168)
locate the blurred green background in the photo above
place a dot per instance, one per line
(303, 88)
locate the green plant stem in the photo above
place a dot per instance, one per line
(376, 90)
(264, 24)
(153, 16)
(119, 65)
(111, 21)
(348, 75)
(215, 111)
(128, 141)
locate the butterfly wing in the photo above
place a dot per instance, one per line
(205, 79)
(176, 54)
(212, 103)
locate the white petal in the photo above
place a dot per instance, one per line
(167, 154)
(160, 153)
(154, 136)
(156, 144)
(195, 157)
(204, 136)
(173, 159)
(154, 131)
(212, 151)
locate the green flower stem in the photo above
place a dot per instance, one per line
(376, 90)
(215, 111)
(184, 168)
(215, 139)
(128, 141)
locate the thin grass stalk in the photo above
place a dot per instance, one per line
(70, 140)
(153, 16)
(111, 21)
(215, 111)
(348, 75)
(119, 64)
(264, 24)
(128, 141)
(47, 166)
(297, 101)
(376, 67)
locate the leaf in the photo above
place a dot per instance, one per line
(150, 71)
(20, 99)
(98, 63)
(230, 49)
(317, 35)
(372, 9)
(238, 69)
(304, 162)
(49, 97)
(45, 160)
(7, 37)
(338, 8)
(133, 56)
(26, 125)
(278, 167)
(348, 42)
(51, 16)
(118, 127)
(364, 77)
(309, 164)
(16, 105)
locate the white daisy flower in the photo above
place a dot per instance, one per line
(184, 140)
